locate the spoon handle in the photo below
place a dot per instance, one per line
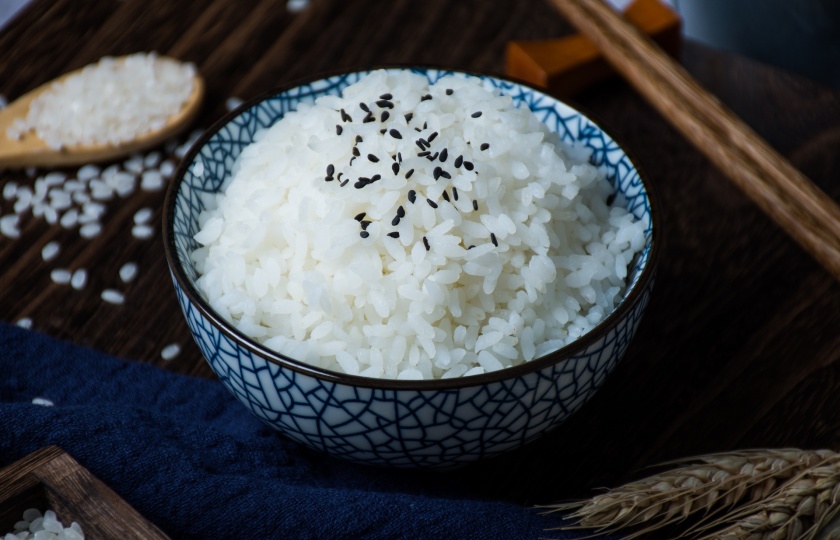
(799, 207)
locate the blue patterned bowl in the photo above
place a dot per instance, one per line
(440, 423)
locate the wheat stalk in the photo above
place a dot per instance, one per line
(799, 509)
(707, 484)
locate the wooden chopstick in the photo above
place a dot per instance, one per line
(805, 212)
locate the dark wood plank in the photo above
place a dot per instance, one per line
(739, 346)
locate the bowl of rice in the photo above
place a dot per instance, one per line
(410, 267)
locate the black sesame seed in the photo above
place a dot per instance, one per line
(356, 152)
(351, 159)
(338, 129)
(436, 173)
(476, 114)
(459, 161)
(401, 211)
(383, 130)
(395, 221)
(373, 158)
(339, 176)
(475, 204)
(359, 139)
(364, 234)
(395, 134)
(433, 156)
(407, 176)
(611, 199)
(385, 116)
(446, 175)
(432, 203)
(445, 196)
(423, 154)
(421, 142)
(426, 124)
(427, 96)
(454, 193)
(360, 216)
(375, 177)
(443, 155)
(471, 246)
(399, 157)
(386, 96)
(359, 184)
(395, 167)
(412, 195)
(344, 183)
(432, 136)
(485, 146)
(364, 224)
(468, 165)
(408, 117)
(345, 117)
(364, 107)
(384, 103)
(426, 243)
(449, 91)
(328, 179)
(418, 130)
(394, 234)
(330, 169)
(493, 239)
(368, 118)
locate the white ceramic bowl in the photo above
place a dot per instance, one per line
(439, 423)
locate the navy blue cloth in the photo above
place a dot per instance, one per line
(195, 462)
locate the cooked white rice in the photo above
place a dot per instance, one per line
(505, 253)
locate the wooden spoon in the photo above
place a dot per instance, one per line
(31, 150)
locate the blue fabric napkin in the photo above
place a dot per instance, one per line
(195, 462)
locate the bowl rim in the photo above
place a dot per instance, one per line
(538, 364)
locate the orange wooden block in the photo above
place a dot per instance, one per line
(569, 65)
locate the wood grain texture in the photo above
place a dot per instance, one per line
(739, 346)
(51, 479)
(805, 212)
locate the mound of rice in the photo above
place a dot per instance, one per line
(413, 231)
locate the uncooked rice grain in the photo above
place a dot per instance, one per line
(9, 225)
(79, 279)
(50, 251)
(112, 296)
(128, 272)
(24, 322)
(60, 276)
(142, 232)
(142, 216)
(37, 526)
(170, 351)
(520, 263)
(90, 230)
(110, 102)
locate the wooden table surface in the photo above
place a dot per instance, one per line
(739, 347)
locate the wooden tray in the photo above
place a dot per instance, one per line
(50, 479)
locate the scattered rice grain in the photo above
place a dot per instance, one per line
(128, 272)
(50, 251)
(142, 232)
(170, 351)
(112, 296)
